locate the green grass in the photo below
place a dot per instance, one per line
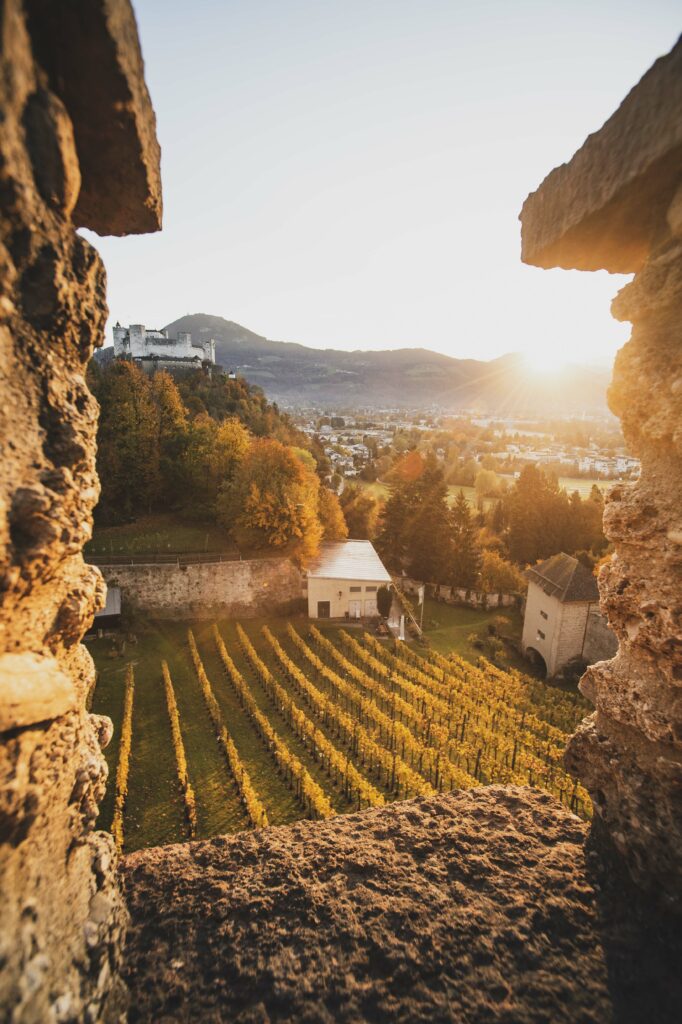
(159, 534)
(154, 810)
(447, 628)
(584, 487)
(381, 491)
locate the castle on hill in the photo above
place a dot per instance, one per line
(154, 350)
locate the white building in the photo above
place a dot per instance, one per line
(138, 342)
(561, 595)
(343, 582)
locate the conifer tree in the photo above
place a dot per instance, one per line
(465, 563)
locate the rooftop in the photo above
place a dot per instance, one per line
(349, 560)
(565, 578)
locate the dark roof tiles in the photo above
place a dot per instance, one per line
(565, 578)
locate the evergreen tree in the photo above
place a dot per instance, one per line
(465, 561)
(392, 539)
(361, 511)
(428, 530)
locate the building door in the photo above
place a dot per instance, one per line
(323, 609)
(371, 607)
(355, 609)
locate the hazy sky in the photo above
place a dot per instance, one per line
(349, 173)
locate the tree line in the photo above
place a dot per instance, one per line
(211, 449)
(421, 532)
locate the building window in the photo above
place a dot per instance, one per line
(541, 635)
(544, 615)
(373, 589)
(356, 590)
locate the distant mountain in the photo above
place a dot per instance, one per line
(292, 374)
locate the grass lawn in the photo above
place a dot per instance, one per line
(584, 486)
(382, 492)
(159, 534)
(447, 627)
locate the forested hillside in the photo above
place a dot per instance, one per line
(406, 377)
(212, 450)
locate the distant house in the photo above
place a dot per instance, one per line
(343, 582)
(562, 620)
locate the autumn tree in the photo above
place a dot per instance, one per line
(331, 516)
(499, 576)
(272, 501)
(127, 442)
(172, 435)
(361, 511)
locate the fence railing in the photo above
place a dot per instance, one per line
(140, 558)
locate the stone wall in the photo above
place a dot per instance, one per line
(600, 641)
(457, 595)
(617, 205)
(74, 105)
(205, 591)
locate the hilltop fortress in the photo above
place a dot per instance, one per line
(153, 349)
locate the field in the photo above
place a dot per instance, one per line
(159, 534)
(382, 491)
(279, 721)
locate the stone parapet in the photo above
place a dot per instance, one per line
(71, 89)
(618, 204)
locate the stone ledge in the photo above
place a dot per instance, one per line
(607, 206)
(473, 906)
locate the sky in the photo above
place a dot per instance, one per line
(349, 173)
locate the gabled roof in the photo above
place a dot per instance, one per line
(349, 560)
(565, 578)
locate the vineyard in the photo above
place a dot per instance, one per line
(223, 727)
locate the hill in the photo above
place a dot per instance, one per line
(293, 374)
(296, 375)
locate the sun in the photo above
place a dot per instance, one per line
(546, 360)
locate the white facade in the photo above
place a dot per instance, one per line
(554, 629)
(137, 342)
(344, 581)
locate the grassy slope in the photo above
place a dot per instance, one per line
(162, 533)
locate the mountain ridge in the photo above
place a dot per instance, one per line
(293, 374)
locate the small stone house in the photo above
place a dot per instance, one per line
(343, 582)
(562, 605)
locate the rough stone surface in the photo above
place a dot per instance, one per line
(479, 906)
(91, 53)
(217, 589)
(607, 207)
(617, 205)
(33, 690)
(61, 917)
